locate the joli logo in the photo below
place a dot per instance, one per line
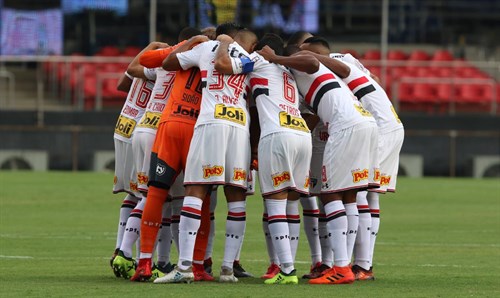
(292, 122)
(150, 120)
(233, 114)
(125, 126)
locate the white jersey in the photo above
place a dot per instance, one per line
(158, 101)
(350, 59)
(223, 96)
(277, 98)
(373, 98)
(320, 132)
(331, 99)
(133, 109)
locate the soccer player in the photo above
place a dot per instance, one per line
(222, 124)
(349, 162)
(125, 172)
(284, 147)
(391, 136)
(169, 150)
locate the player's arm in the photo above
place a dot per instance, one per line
(171, 62)
(311, 120)
(154, 58)
(222, 61)
(336, 66)
(254, 135)
(135, 69)
(305, 63)
(124, 82)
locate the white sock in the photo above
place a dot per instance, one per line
(351, 211)
(176, 217)
(271, 252)
(188, 228)
(128, 204)
(278, 228)
(373, 202)
(235, 229)
(293, 219)
(165, 239)
(362, 246)
(211, 236)
(310, 214)
(132, 229)
(324, 238)
(337, 227)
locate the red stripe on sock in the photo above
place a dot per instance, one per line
(191, 210)
(335, 212)
(276, 217)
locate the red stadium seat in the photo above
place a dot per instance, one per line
(354, 53)
(372, 55)
(405, 92)
(131, 51)
(108, 51)
(442, 55)
(419, 55)
(396, 55)
(424, 92)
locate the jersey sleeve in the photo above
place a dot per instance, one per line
(150, 73)
(154, 58)
(246, 64)
(350, 58)
(191, 58)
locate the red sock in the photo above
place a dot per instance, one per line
(200, 246)
(151, 218)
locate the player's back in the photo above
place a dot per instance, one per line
(277, 98)
(331, 99)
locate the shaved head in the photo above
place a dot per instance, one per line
(246, 39)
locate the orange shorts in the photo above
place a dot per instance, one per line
(169, 152)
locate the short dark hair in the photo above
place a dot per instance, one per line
(318, 40)
(228, 28)
(188, 32)
(291, 49)
(295, 37)
(273, 41)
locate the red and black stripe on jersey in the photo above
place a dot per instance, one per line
(361, 87)
(203, 74)
(261, 87)
(191, 212)
(335, 214)
(319, 87)
(236, 216)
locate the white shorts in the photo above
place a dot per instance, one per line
(219, 154)
(125, 179)
(389, 146)
(316, 172)
(252, 175)
(350, 160)
(284, 161)
(177, 189)
(142, 142)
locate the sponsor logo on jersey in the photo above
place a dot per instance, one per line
(376, 175)
(212, 171)
(362, 110)
(142, 178)
(239, 174)
(385, 180)
(359, 175)
(150, 120)
(133, 186)
(395, 114)
(186, 111)
(232, 114)
(292, 122)
(280, 178)
(125, 126)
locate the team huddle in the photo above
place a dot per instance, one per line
(223, 107)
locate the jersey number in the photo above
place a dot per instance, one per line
(288, 88)
(233, 81)
(167, 86)
(144, 93)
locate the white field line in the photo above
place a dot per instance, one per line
(15, 257)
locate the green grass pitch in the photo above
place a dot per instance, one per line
(438, 238)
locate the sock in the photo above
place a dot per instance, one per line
(271, 252)
(351, 211)
(188, 228)
(310, 214)
(128, 204)
(337, 227)
(363, 246)
(373, 202)
(176, 217)
(200, 245)
(211, 236)
(132, 229)
(293, 219)
(235, 228)
(278, 227)
(165, 240)
(151, 219)
(324, 238)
